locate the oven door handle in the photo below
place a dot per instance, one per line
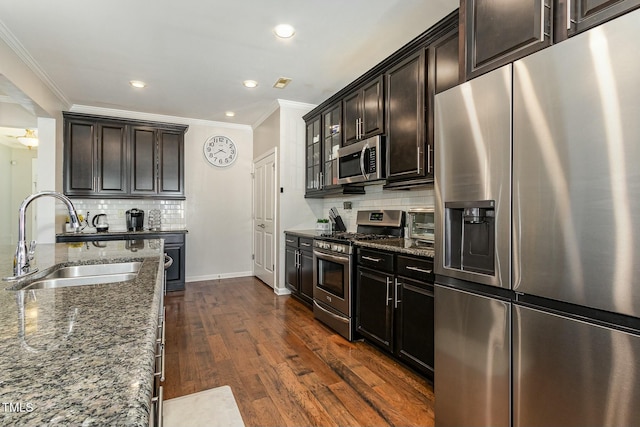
(335, 316)
(339, 259)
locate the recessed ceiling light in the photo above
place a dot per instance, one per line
(282, 82)
(137, 83)
(284, 31)
(230, 114)
(250, 83)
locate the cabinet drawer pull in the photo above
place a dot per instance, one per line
(289, 241)
(305, 244)
(421, 270)
(371, 259)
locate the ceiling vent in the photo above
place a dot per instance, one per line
(282, 82)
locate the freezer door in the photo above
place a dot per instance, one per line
(576, 180)
(571, 373)
(472, 359)
(473, 168)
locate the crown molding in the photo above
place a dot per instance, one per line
(126, 114)
(282, 103)
(14, 44)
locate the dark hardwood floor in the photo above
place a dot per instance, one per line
(284, 367)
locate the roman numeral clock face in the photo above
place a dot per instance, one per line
(220, 151)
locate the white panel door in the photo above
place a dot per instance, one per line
(264, 215)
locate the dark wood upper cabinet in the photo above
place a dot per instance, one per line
(95, 158)
(406, 112)
(572, 17)
(79, 155)
(313, 160)
(497, 32)
(110, 157)
(170, 162)
(144, 155)
(364, 112)
(444, 64)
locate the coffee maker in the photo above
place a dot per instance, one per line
(135, 219)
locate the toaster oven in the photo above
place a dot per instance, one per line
(422, 224)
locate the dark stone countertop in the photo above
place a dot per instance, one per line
(305, 233)
(82, 355)
(399, 245)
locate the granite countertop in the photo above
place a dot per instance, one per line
(305, 233)
(86, 356)
(400, 245)
(90, 232)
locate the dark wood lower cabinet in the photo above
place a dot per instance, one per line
(396, 312)
(374, 314)
(415, 316)
(299, 266)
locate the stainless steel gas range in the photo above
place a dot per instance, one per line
(334, 267)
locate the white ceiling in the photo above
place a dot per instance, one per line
(194, 54)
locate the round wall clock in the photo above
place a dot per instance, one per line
(220, 151)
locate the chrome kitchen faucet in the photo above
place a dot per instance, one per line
(22, 257)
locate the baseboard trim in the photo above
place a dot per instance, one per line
(219, 276)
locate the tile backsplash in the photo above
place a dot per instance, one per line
(377, 198)
(172, 211)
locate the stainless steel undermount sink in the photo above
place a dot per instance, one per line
(79, 275)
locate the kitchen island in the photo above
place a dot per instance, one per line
(80, 355)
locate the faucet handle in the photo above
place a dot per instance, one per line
(32, 249)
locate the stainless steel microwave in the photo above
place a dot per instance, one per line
(362, 161)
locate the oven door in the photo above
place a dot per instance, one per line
(332, 280)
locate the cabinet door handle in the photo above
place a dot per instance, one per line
(371, 259)
(388, 297)
(397, 301)
(568, 14)
(418, 159)
(421, 270)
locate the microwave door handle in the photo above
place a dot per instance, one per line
(365, 175)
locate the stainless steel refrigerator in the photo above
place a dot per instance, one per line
(567, 312)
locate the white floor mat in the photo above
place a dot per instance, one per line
(212, 408)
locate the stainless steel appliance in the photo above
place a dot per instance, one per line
(422, 224)
(334, 267)
(363, 161)
(472, 264)
(563, 303)
(575, 176)
(135, 219)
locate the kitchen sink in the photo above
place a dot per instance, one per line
(79, 275)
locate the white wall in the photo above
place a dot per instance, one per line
(47, 106)
(294, 211)
(7, 218)
(218, 206)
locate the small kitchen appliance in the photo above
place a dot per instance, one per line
(100, 223)
(421, 224)
(135, 219)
